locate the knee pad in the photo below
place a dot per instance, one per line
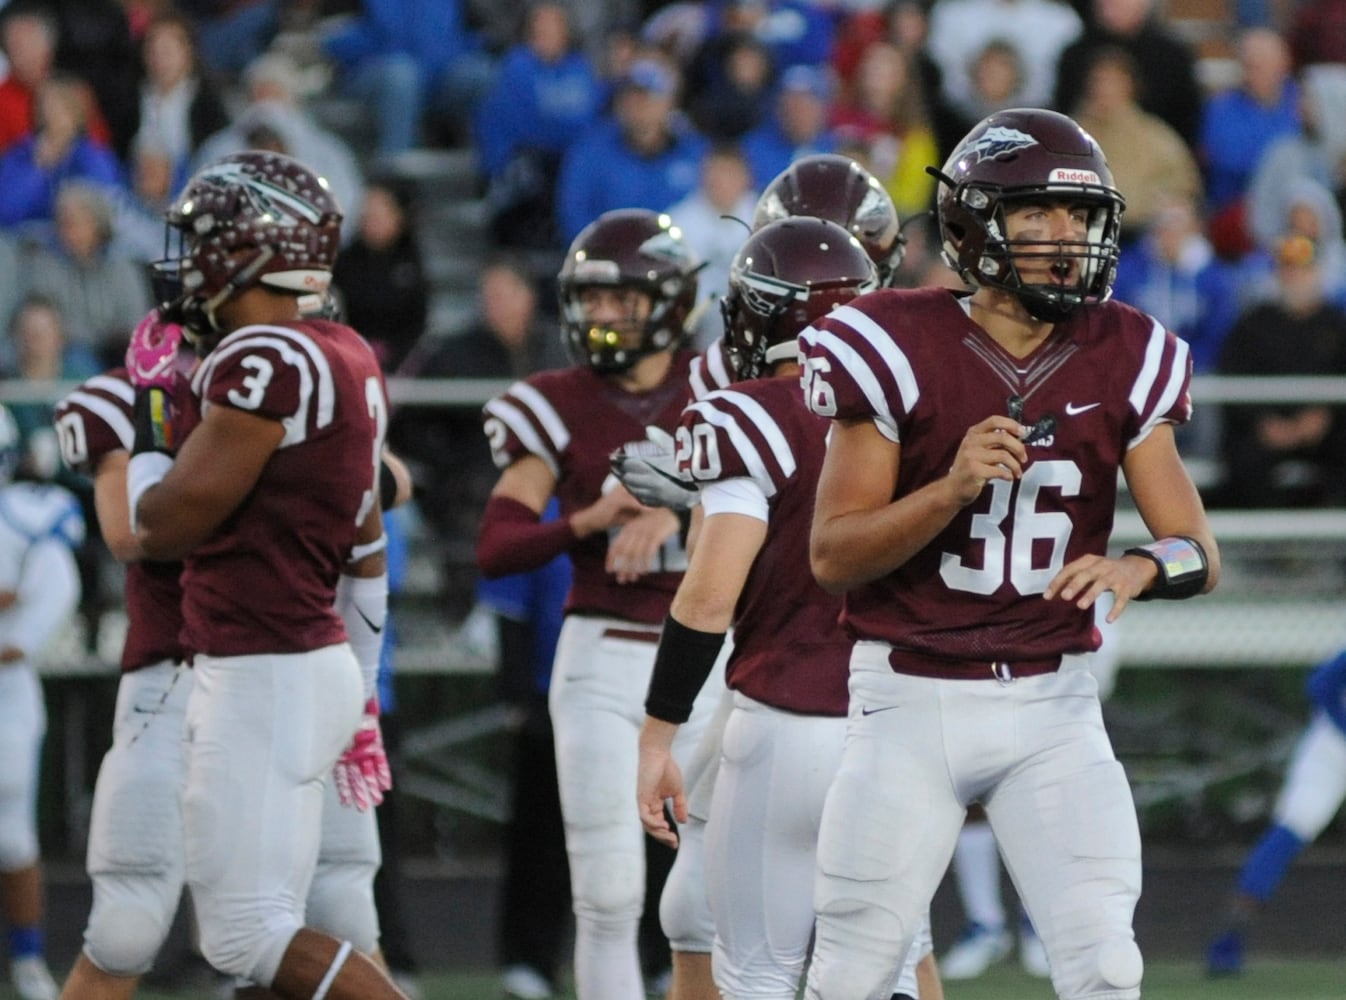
(18, 841)
(129, 920)
(246, 943)
(684, 910)
(1120, 966)
(608, 887)
(341, 904)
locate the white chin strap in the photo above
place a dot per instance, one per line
(787, 350)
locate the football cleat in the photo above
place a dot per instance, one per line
(977, 949)
(1224, 955)
(31, 978)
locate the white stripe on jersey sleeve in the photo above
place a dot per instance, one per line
(112, 386)
(546, 414)
(110, 413)
(296, 349)
(895, 361)
(1149, 375)
(708, 372)
(764, 422)
(742, 444)
(513, 418)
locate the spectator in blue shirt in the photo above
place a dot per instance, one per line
(412, 62)
(797, 128)
(546, 95)
(58, 150)
(1239, 124)
(643, 155)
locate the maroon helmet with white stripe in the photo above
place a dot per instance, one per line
(247, 219)
(1019, 156)
(786, 275)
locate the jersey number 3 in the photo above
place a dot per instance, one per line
(1009, 530)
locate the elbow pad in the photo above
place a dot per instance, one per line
(514, 539)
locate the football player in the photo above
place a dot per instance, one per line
(964, 509)
(267, 488)
(135, 854)
(40, 526)
(1312, 793)
(626, 287)
(754, 450)
(838, 189)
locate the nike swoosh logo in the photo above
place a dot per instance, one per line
(376, 629)
(876, 711)
(1073, 411)
(675, 480)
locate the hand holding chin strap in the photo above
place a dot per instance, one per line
(1183, 568)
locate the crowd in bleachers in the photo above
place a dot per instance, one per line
(1229, 145)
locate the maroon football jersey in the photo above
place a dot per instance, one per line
(265, 581)
(789, 648)
(91, 423)
(710, 370)
(920, 369)
(573, 419)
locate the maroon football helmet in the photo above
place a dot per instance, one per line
(1022, 155)
(627, 248)
(834, 187)
(786, 275)
(246, 219)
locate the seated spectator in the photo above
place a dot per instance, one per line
(1237, 127)
(1173, 273)
(1311, 212)
(1038, 30)
(380, 276)
(94, 43)
(38, 350)
(1149, 160)
(28, 35)
(545, 96)
(415, 64)
(644, 154)
(714, 220)
(102, 294)
(906, 24)
(276, 118)
(232, 32)
(1317, 153)
(798, 127)
(508, 338)
(1165, 64)
(737, 96)
(997, 80)
(887, 115)
(179, 106)
(59, 150)
(1287, 455)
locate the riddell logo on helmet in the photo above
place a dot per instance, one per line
(1063, 176)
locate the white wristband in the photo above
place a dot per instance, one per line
(142, 472)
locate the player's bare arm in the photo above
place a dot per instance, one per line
(109, 500)
(1171, 507)
(217, 467)
(860, 533)
(705, 601)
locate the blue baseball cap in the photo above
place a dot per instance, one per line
(651, 75)
(809, 79)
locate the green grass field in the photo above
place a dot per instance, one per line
(1266, 980)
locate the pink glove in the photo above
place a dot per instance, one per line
(152, 356)
(361, 774)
